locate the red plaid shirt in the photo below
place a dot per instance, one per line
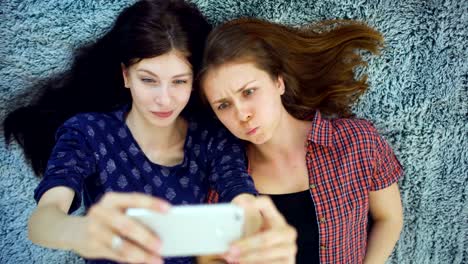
(346, 158)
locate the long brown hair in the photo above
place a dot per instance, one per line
(317, 62)
(94, 82)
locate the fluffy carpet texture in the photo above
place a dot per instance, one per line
(417, 100)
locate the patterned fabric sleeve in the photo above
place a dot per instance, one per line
(386, 167)
(70, 162)
(228, 170)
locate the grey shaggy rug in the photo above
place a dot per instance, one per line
(417, 100)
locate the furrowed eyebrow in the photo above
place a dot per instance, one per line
(238, 91)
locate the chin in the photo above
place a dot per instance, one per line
(162, 123)
(258, 139)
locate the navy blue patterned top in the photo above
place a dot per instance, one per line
(96, 153)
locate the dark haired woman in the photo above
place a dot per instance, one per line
(288, 93)
(124, 125)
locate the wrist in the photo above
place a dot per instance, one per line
(74, 233)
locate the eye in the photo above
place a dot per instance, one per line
(223, 106)
(180, 81)
(248, 92)
(147, 80)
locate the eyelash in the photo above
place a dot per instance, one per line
(251, 91)
(177, 82)
(147, 80)
(180, 81)
(220, 107)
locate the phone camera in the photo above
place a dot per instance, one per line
(237, 217)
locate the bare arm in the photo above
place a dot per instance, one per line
(386, 210)
(91, 236)
(50, 225)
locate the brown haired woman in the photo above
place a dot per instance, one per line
(288, 93)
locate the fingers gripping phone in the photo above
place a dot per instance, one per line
(193, 230)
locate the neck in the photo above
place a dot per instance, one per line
(150, 136)
(288, 138)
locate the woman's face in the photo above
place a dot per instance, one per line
(245, 99)
(160, 87)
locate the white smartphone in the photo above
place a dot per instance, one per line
(193, 230)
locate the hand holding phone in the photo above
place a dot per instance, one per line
(193, 230)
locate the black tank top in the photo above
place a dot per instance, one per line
(299, 211)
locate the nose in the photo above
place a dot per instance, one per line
(162, 96)
(244, 113)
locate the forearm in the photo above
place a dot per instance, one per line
(382, 239)
(50, 227)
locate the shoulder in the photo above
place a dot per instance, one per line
(354, 131)
(103, 120)
(211, 133)
(360, 136)
(354, 126)
(209, 128)
(91, 123)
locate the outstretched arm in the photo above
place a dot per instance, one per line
(386, 210)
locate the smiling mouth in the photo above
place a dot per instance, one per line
(163, 114)
(252, 131)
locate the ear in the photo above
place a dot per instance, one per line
(280, 83)
(124, 74)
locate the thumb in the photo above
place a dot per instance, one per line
(271, 216)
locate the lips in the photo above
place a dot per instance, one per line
(252, 131)
(163, 114)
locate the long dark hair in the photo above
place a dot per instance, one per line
(94, 83)
(317, 62)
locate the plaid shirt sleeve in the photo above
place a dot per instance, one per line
(386, 167)
(213, 197)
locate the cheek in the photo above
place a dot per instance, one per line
(229, 122)
(183, 94)
(266, 109)
(224, 118)
(139, 94)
